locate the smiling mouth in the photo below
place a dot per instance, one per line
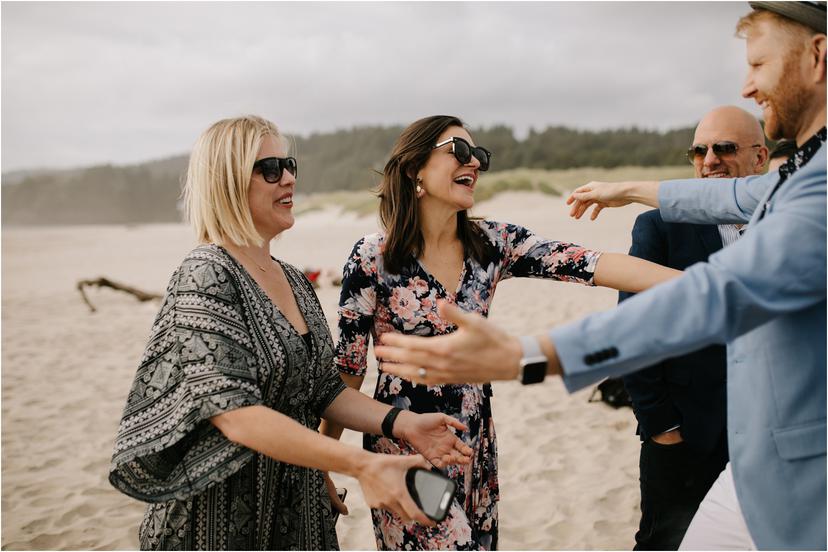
(716, 174)
(465, 180)
(286, 201)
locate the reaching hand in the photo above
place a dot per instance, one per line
(336, 504)
(477, 352)
(382, 479)
(600, 194)
(431, 436)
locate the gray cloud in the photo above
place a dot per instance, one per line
(89, 83)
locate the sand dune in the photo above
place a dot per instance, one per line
(568, 468)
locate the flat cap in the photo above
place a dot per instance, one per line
(811, 14)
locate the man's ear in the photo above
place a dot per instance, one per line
(761, 158)
(816, 58)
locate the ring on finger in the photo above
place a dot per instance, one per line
(422, 373)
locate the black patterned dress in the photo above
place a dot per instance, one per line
(218, 344)
(374, 301)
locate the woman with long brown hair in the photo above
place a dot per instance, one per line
(431, 248)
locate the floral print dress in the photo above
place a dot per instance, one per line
(374, 301)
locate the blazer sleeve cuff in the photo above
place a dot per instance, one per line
(570, 345)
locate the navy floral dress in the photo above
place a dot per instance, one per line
(374, 302)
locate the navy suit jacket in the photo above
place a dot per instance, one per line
(689, 390)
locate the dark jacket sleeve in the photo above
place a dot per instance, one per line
(653, 407)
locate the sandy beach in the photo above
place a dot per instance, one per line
(568, 468)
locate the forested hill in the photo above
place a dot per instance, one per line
(342, 160)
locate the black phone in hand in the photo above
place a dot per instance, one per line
(432, 492)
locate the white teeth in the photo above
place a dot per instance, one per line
(465, 179)
(286, 200)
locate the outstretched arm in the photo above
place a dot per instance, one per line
(527, 255)
(430, 434)
(696, 200)
(776, 269)
(626, 273)
(611, 194)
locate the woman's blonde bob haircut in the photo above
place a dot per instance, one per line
(218, 180)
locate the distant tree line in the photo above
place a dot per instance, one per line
(341, 160)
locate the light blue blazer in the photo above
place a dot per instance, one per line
(764, 296)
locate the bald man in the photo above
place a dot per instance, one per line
(680, 403)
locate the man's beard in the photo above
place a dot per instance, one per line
(788, 102)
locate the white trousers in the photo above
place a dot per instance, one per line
(719, 523)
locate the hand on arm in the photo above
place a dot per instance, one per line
(611, 194)
(382, 477)
(626, 273)
(477, 352)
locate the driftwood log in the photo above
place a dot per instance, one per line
(141, 295)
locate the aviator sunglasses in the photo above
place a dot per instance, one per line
(463, 152)
(720, 150)
(272, 167)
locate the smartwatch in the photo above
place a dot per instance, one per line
(533, 363)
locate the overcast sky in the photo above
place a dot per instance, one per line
(87, 83)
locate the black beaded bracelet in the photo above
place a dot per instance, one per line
(388, 421)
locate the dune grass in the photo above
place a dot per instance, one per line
(554, 183)
(359, 202)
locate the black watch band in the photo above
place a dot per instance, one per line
(534, 363)
(388, 421)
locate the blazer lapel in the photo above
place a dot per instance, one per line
(710, 237)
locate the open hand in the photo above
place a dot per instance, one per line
(599, 194)
(477, 352)
(431, 435)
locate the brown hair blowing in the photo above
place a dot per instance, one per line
(398, 211)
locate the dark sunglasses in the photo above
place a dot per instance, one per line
(272, 167)
(463, 152)
(720, 149)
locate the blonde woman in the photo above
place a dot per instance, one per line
(218, 433)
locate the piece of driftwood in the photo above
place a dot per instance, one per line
(141, 295)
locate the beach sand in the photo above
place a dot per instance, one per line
(568, 468)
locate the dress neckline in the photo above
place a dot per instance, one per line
(437, 282)
(299, 301)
